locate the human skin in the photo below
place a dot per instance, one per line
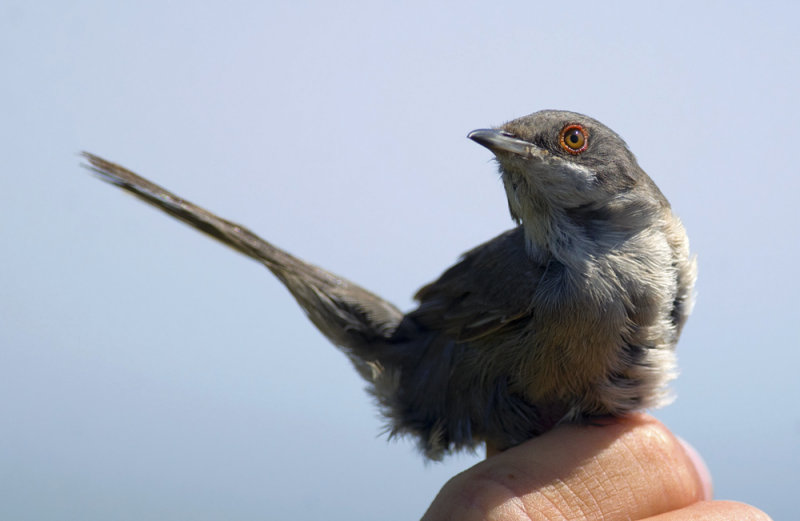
(631, 468)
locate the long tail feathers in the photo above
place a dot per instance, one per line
(350, 316)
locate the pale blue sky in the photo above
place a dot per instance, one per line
(148, 373)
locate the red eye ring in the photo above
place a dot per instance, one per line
(574, 139)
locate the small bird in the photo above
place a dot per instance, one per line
(571, 316)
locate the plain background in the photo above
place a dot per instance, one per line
(148, 373)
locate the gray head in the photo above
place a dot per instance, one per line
(566, 170)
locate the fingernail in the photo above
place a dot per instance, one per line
(700, 467)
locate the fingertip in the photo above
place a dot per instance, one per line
(703, 474)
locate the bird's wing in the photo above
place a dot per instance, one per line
(488, 289)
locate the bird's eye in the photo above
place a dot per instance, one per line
(574, 139)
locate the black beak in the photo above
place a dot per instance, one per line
(501, 141)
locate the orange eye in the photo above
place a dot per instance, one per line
(574, 139)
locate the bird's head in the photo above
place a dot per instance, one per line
(564, 171)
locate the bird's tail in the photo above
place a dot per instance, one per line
(351, 317)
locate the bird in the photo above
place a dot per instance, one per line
(570, 316)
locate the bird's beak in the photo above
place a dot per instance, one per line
(501, 141)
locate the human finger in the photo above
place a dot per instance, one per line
(630, 468)
(713, 511)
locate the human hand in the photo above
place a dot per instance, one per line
(633, 468)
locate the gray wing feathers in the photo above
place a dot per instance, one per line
(489, 288)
